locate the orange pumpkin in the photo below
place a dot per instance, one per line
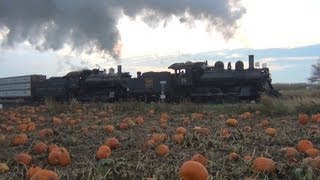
(247, 158)
(262, 164)
(304, 145)
(312, 162)
(109, 128)
(139, 120)
(45, 132)
(197, 116)
(22, 127)
(20, 139)
(51, 147)
(233, 156)
(40, 148)
(64, 158)
(85, 130)
(192, 170)
(56, 121)
(271, 132)
(31, 127)
(149, 144)
(94, 127)
(246, 115)
(232, 122)
(204, 131)
(24, 158)
(315, 118)
(162, 150)
(303, 118)
(312, 152)
(126, 120)
(178, 138)
(54, 155)
(113, 143)
(165, 117)
(159, 137)
(290, 152)
(162, 120)
(59, 156)
(103, 152)
(181, 130)
(221, 116)
(265, 123)
(72, 122)
(10, 128)
(200, 158)
(123, 126)
(225, 133)
(32, 170)
(42, 118)
(45, 175)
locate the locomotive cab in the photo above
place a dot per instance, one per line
(186, 74)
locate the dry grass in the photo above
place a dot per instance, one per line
(132, 161)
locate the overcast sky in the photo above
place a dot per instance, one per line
(42, 37)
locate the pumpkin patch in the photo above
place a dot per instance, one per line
(99, 141)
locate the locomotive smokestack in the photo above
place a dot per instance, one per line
(119, 69)
(251, 61)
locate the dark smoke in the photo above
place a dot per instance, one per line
(90, 25)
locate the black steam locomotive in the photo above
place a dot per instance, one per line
(191, 81)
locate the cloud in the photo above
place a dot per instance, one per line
(91, 26)
(280, 67)
(290, 58)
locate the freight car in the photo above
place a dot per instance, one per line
(191, 81)
(20, 87)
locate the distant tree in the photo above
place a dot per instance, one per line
(315, 73)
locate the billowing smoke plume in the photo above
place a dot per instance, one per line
(90, 25)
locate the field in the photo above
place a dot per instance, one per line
(230, 149)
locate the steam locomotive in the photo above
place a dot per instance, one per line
(190, 81)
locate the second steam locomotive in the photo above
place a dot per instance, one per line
(191, 81)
